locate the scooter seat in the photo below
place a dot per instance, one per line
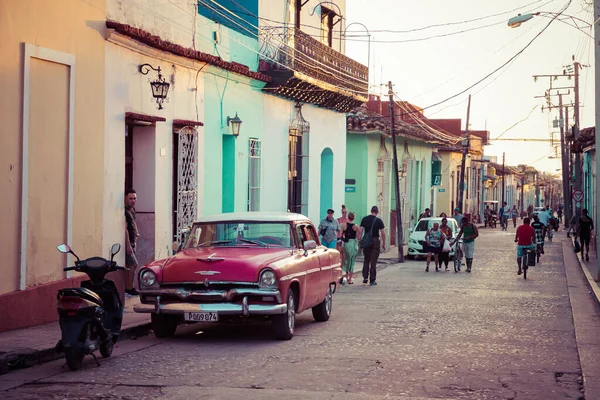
(84, 293)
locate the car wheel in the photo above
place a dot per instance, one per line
(284, 324)
(164, 325)
(322, 311)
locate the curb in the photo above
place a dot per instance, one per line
(26, 358)
(588, 277)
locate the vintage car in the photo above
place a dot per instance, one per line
(268, 265)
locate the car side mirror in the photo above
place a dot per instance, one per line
(175, 247)
(309, 245)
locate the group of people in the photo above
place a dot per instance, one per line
(346, 236)
(439, 240)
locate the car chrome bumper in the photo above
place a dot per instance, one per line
(243, 309)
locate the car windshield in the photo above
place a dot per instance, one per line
(229, 233)
(425, 224)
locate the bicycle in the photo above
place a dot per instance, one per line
(458, 255)
(525, 260)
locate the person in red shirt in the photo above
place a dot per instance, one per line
(525, 239)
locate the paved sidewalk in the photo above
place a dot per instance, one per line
(26, 347)
(589, 269)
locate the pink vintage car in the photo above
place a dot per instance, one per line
(242, 265)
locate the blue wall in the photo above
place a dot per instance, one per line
(246, 10)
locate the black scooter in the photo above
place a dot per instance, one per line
(90, 316)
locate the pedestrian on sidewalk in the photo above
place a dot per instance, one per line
(328, 230)
(525, 238)
(585, 227)
(470, 232)
(447, 231)
(434, 238)
(350, 237)
(131, 236)
(372, 236)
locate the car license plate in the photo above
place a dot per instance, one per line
(201, 316)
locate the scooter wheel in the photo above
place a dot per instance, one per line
(106, 348)
(74, 358)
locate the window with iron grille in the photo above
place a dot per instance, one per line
(254, 164)
(298, 174)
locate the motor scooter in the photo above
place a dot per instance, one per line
(90, 316)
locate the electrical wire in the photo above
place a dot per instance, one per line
(503, 65)
(516, 123)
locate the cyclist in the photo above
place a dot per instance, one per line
(524, 238)
(540, 231)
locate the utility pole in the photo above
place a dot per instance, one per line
(503, 154)
(578, 169)
(465, 145)
(564, 164)
(399, 238)
(597, 114)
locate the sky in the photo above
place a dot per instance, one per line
(425, 72)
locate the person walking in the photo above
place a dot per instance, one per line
(340, 245)
(457, 216)
(372, 236)
(504, 216)
(540, 232)
(434, 239)
(131, 236)
(514, 214)
(559, 213)
(425, 214)
(350, 237)
(585, 226)
(328, 230)
(444, 256)
(470, 232)
(525, 238)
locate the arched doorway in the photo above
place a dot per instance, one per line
(326, 181)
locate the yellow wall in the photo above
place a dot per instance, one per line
(73, 27)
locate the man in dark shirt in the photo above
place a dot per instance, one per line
(372, 225)
(540, 232)
(585, 228)
(131, 236)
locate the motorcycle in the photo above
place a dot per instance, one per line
(90, 316)
(491, 221)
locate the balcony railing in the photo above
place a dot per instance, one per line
(295, 50)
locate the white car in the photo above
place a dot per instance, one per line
(416, 240)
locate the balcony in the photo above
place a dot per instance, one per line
(306, 70)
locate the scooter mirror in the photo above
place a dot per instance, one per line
(115, 249)
(64, 248)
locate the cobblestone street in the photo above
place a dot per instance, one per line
(485, 335)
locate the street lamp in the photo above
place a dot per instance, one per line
(570, 20)
(368, 35)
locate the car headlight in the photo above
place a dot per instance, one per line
(147, 278)
(267, 279)
(413, 241)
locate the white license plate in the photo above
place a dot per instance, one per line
(201, 316)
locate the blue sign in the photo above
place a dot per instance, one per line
(350, 189)
(441, 190)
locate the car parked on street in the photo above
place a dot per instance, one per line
(416, 240)
(236, 266)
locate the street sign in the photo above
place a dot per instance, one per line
(578, 205)
(577, 195)
(441, 190)
(350, 189)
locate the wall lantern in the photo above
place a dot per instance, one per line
(299, 126)
(160, 88)
(235, 122)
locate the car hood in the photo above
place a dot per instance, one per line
(417, 235)
(233, 264)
